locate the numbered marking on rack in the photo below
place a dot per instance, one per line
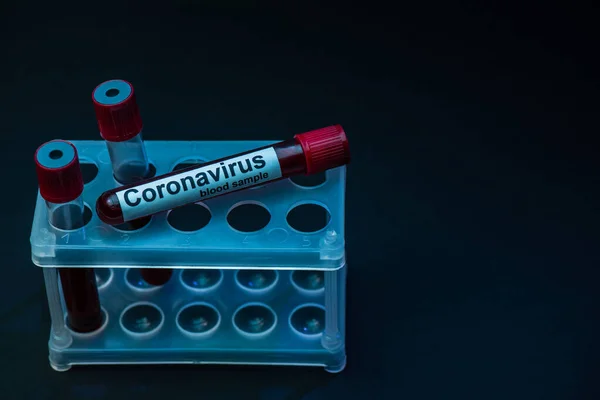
(125, 237)
(65, 237)
(187, 241)
(306, 241)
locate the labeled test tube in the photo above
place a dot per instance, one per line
(120, 125)
(306, 153)
(61, 186)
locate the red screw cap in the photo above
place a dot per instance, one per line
(324, 148)
(57, 167)
(116, 110)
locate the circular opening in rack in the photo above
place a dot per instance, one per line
(89, 170)
(308, 217)
(248, 217)
(311, 281)
(68, 217)
(134, 279)
(92, 333)
(201, 279)
(308, 320)
(256, 280)
(187, 162)
(134, 225)
(104, 277)
(141, 319)
(189, 218)
(198, 319)
(309, 181)
(151, 170)
(156, 276)
(254, 320)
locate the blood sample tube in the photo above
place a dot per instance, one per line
(306, 153)
(120, 126)
(61, 185)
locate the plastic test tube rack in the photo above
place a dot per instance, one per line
(273, 296)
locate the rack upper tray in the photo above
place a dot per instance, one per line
(217, 245)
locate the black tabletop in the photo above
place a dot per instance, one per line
(472, 207)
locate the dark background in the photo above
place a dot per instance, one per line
(472, 196)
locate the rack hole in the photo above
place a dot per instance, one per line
(156, 276)
(256, 279)
(134, 225)
(134, 279)
(151, 171)
(308, 320)
(189, 218)
(201, 279)
(188, 163)
(198, 319)
(89, 171)
(141, 319)
(308, 217)
(254, 319)
(103, 277)
(69, 217)
(309, 280)
(249, 217)
(88, 333)
(309, 181)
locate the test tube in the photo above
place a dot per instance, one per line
(120, 125)
(306, 153)
(61, 186)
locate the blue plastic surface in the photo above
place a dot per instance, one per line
(275, 296)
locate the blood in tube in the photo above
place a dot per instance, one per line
(61, 186)
(120, 125)
(307, 153)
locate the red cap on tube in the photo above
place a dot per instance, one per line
(324, 148)
(117, 111)
(58, 173)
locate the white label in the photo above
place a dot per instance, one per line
(198, 184)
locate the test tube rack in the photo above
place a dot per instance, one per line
(271, 293)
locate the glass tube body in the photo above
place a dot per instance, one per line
(78, 284)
